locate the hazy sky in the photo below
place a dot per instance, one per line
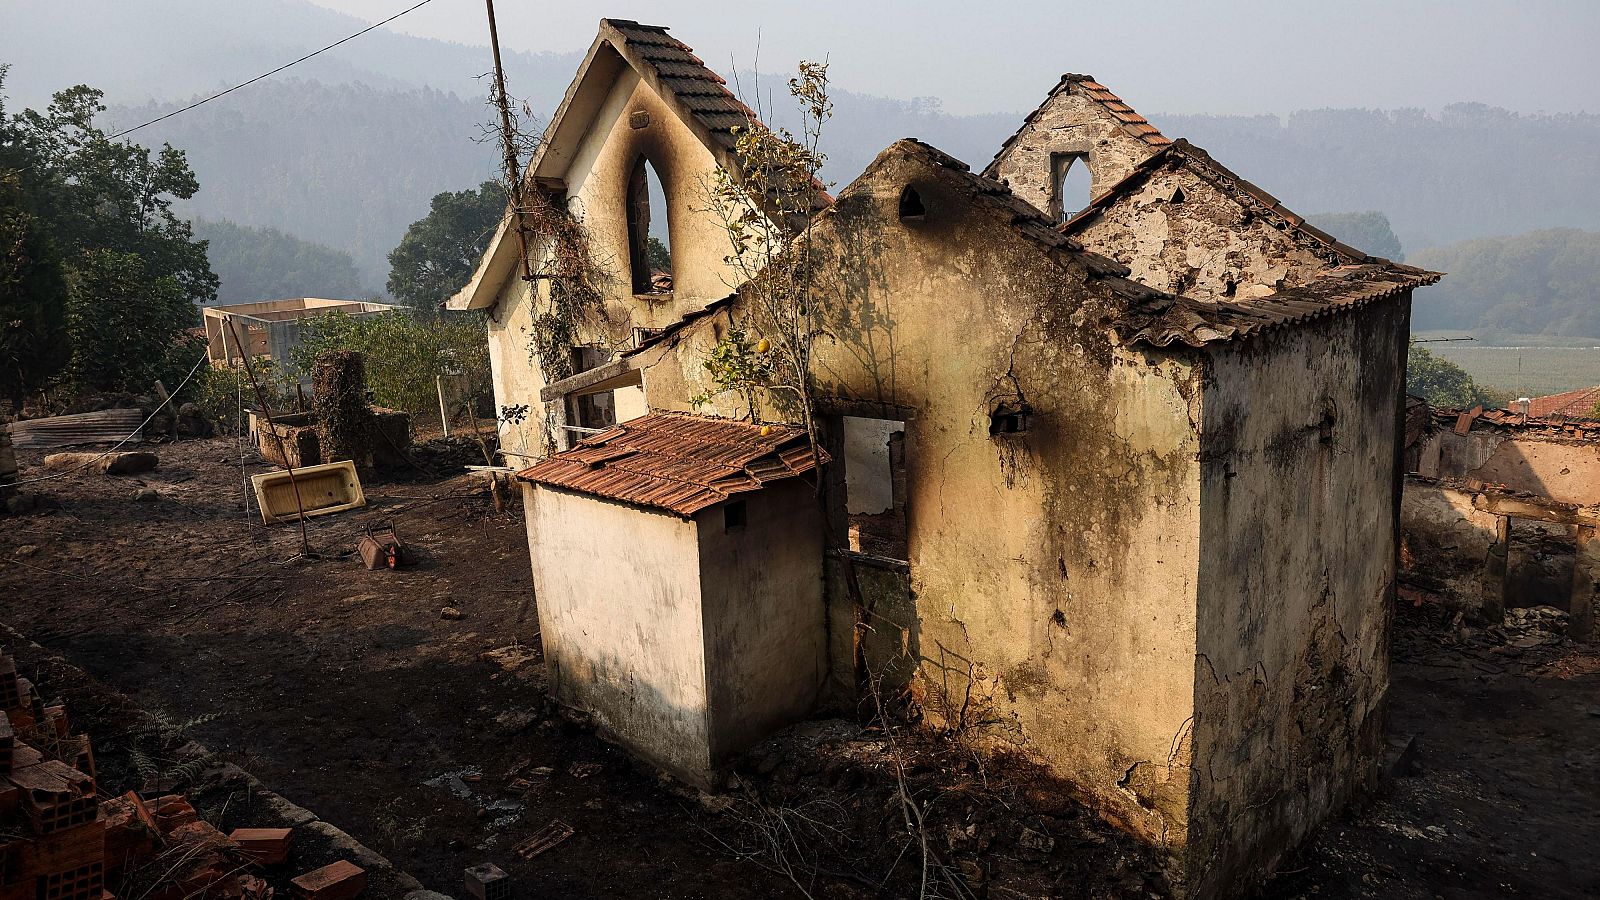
(1218, 56)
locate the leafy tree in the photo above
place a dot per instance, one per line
(439, 251)
(1542, 282)
(1368, 232)
(1443, 383)
(659, 256)
(33, 286)
(268, 264)
(134, 271)
(403, 353)
(127, 323)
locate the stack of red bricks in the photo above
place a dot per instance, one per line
(59, 841)
(54, 844)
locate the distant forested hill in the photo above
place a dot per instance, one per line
(1470, 171)
(342, 165)
(266, 264)
(143, 51)
(1544, 282)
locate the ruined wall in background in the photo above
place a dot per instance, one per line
(1179, 233)
(1068, 123)
(1556, 466)
(1445, 540)
(1299, 487)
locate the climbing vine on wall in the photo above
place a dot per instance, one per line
(576, 285)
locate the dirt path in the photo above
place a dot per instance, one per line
(345, 691)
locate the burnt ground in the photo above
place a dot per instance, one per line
(346, 692)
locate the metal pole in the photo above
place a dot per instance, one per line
(444, 416)
(508, 141)
(266, 410)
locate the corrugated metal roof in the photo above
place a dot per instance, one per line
(678, 462)
(1126, 116)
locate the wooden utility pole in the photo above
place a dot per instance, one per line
(509, 143)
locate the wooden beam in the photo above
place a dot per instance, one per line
(610, 376)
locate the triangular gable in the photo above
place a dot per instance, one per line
(1181, 153)
(699, 96)
(1135, 125)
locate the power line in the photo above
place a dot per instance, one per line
(269, 74)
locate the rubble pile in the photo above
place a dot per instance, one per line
(1531, 626)
(59, 840)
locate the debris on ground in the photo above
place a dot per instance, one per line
(543, 839)
(487, 881)
(380, 547)
(102, 426)
(61, 842)
(130, 462)
(342, 880)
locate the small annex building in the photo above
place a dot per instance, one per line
(677, 562)
(1109, 480)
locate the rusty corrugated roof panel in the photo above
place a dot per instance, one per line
(1126, 116)
(678, 462)
(1165, 321)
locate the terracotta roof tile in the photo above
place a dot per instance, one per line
(681, 72)
(1132, 122)
(1578, 404)
(1165, 321)
(678, 462)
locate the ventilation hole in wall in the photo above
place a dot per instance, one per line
(1010, 420)
(1230, 287)
(911, 208)
(1177, 195)
(733, 515)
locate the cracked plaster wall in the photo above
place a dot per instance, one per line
(1299, 491)
(1053, 571)
(597, 186)
(1200, 245)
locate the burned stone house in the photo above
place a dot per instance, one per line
(1501, 510)
(1110, 483)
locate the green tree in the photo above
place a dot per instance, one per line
(134, 270)
(659, 256)
(33, 284)
(403, 353)
(1443, 383)
(440, 250)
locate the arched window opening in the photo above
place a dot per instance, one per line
(649, 237)
(911, 208)
(1073, 183)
